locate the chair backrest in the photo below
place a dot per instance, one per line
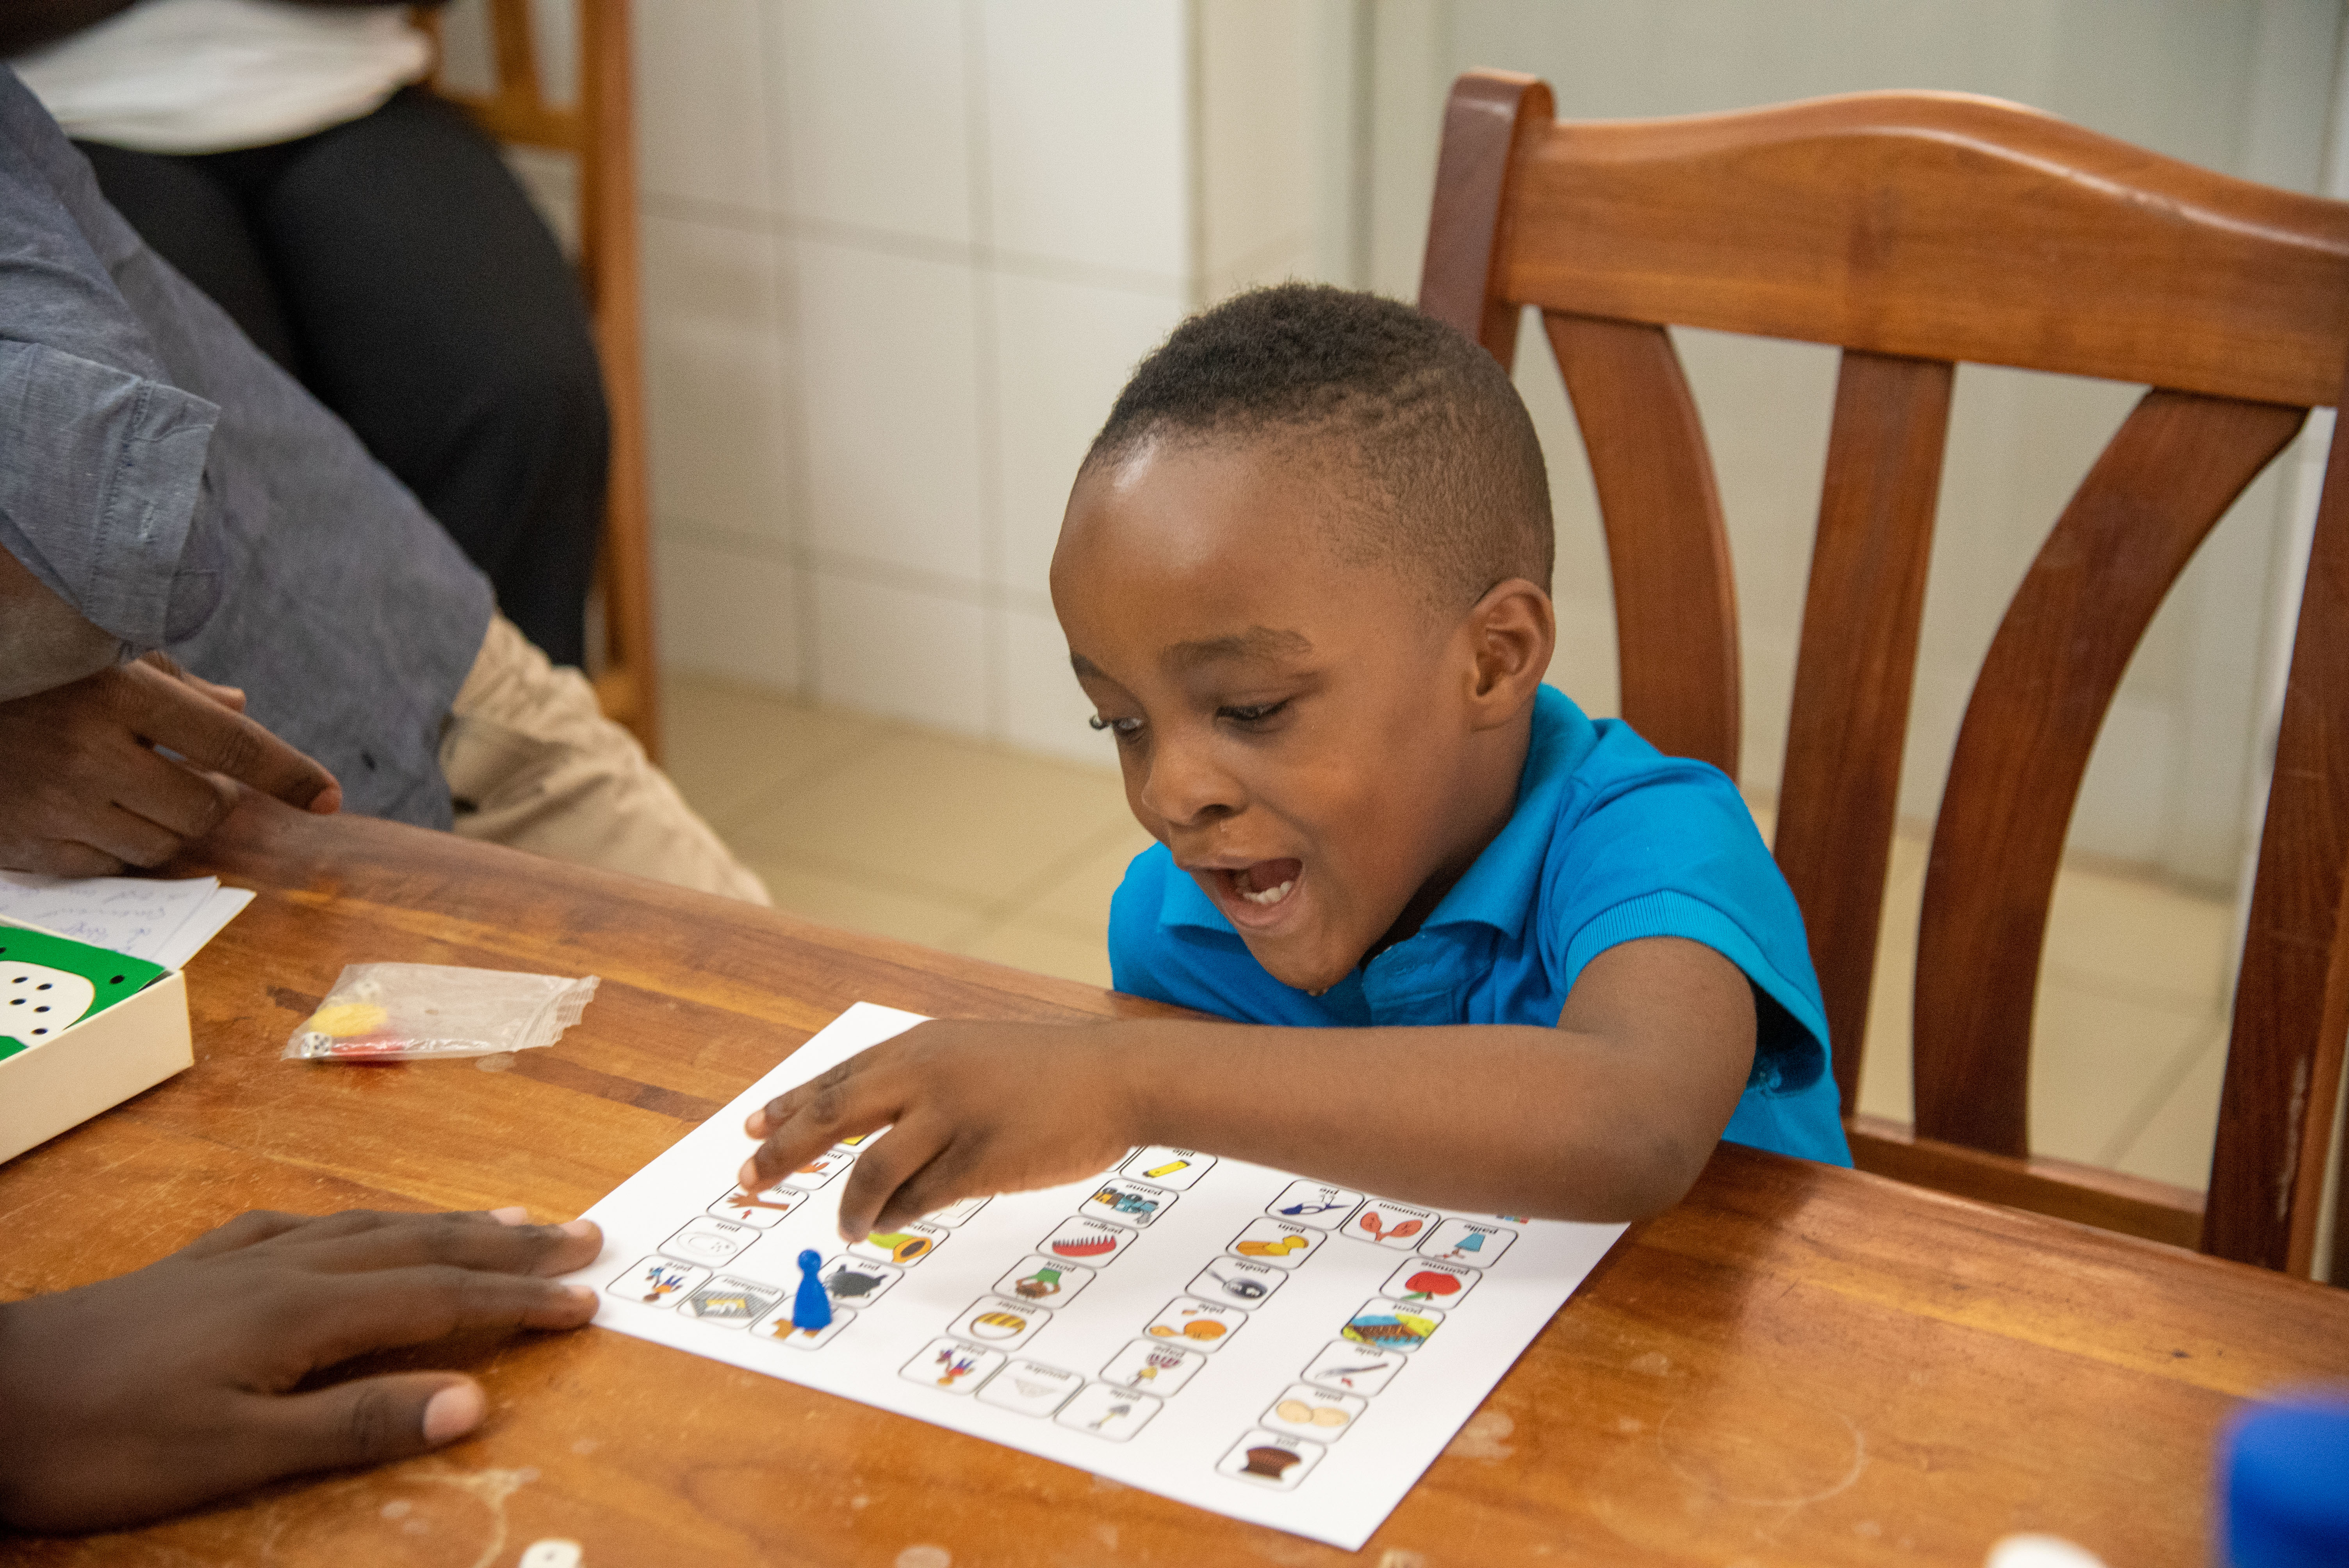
(598, 132)
(1915, 231)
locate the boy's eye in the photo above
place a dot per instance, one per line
(1252, 713)
(1123, 728)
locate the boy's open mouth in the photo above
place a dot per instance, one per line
(1265, 884)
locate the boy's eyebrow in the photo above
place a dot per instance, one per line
(1255, 643)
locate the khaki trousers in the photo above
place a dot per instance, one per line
(532, 764)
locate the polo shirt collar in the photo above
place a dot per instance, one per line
(1500, 888)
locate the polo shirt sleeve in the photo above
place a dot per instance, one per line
(1668, 849)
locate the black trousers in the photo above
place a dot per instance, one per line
(396, 267)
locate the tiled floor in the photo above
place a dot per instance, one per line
(966, 846)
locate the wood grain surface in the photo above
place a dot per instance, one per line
(1797, 1364)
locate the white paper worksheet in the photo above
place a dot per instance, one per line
(1269, 1348)
(165, 923)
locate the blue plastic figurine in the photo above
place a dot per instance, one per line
(812, 1307)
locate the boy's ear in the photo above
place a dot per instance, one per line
(1512, 631)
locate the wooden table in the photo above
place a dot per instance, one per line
(1795, 1365)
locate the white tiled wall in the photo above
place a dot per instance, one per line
(900, 256)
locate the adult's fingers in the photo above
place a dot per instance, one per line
(179, 799)
(470, 1241)
(366, 1421)
(128, 837)
(228, 696)
(57, 858)
(885, 1165)
(170, 713)
(253, 1225)
(357, 1314)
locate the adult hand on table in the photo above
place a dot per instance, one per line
(89, 791)
(155, 1391)
(972, 1110)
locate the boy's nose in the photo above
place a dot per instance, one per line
(1186, 789)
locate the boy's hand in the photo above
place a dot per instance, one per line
(157, 1390)
(973, 1110)
(89, 791)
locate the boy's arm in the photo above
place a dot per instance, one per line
(1610, 1115)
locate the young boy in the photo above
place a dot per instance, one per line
(1304, 576)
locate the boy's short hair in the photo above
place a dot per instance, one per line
(1438, 437)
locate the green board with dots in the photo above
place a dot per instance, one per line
(48, 983)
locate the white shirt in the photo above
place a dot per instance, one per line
(211, 76)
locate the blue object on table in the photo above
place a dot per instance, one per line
(2284, 1469)
(812, 1307)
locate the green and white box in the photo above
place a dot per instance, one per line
(81, 1029)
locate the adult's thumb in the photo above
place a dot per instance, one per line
(370, 1419)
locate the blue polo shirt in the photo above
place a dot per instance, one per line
(1611, 840)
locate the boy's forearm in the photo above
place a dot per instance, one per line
(1493, 1119)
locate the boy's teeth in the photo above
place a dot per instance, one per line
(1270, 894)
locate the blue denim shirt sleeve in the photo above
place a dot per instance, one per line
(102, 490)
(101, 484)
(165, 478)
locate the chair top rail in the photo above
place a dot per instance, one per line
(1937, 226)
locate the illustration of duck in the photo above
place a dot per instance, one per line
(1279, 1249)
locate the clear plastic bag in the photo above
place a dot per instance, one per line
(404, 1012)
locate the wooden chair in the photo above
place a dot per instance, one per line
(1914, 230)
(598, 133)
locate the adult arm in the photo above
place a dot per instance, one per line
(157, 1390)
(44, 641)
(1610, 1115)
